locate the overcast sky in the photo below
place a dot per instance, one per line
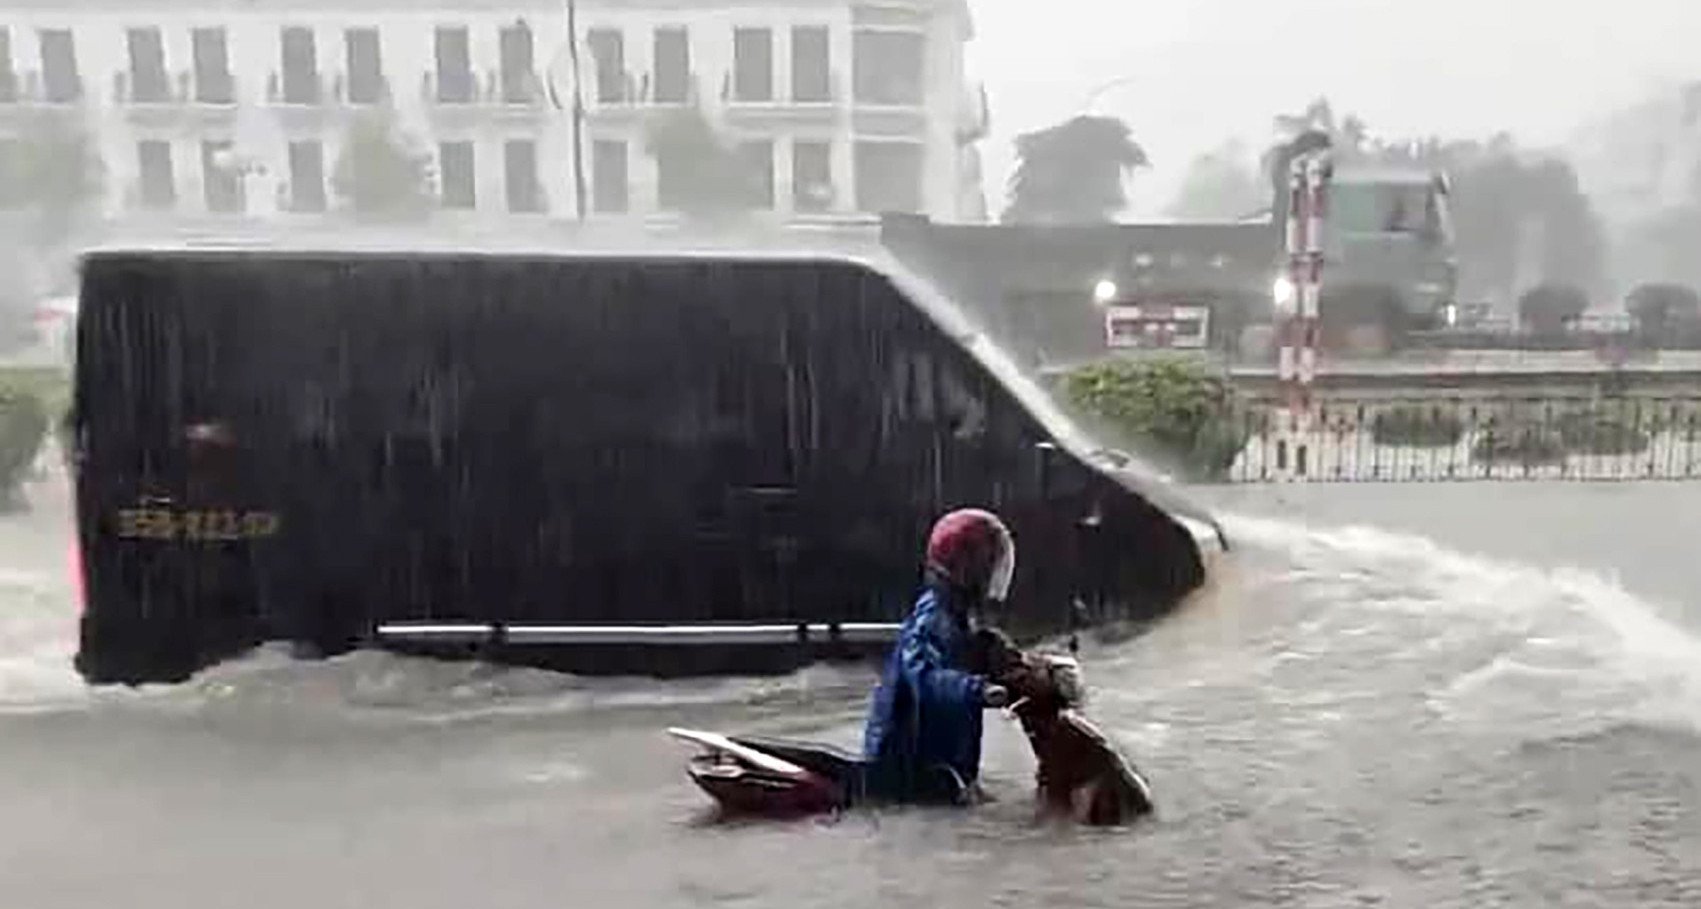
(1200, 71)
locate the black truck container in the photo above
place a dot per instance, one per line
(301, 445)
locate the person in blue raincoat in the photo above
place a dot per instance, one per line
(922, 741)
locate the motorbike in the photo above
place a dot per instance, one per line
(1081, 774)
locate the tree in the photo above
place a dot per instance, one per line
(380, 173)
(702, 175)
(1546, 309)
(1278, 164)
(1220, 184)
(1663, 245)
(1661, 308)
(1500, 200)
(54, 172)
(1073, 172)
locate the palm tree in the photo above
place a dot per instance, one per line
(1073, 172)
(1222, 183)
(59, 175)
(702, 176)
(1278, 161)
(380, 173)
(1318, 115)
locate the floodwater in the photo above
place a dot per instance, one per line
(1418, 696)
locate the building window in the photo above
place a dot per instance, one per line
(60, 82)
(454, 66)
(608, 49)
(674, 175)
(753, 64)
(300, 66)
(149, 83)
(519, 162)
(889, 67)
(888, 177)
(158, 189)
(221, 184)
(306, 176)
(365, 66)
(455, 163)
(8, 74)
(811, 65)
(518, 84)
(812, 176)
(611, 188)
(213, 82)
(758, 158)
(673, 65)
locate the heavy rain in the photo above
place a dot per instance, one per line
(426, 430)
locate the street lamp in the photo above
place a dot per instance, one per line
(1104, 291)
(1102, 88)
(578, 122)
(1283, 293)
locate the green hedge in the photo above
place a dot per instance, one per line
(1174, 409)
(1531, 446)
(1417, 427)
(32, 401)
(1600, 434)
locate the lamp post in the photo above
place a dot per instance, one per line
(578, 111)
(1102, 89)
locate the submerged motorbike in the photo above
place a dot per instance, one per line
(1081, 773)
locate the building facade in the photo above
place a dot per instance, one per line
(243, 109)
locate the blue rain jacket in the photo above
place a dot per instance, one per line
(926, 715)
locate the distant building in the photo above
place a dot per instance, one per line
(223, 112)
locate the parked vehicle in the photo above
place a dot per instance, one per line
(609, 463)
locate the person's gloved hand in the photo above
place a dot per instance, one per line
(995, 696)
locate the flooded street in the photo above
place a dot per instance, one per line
(1353, 716)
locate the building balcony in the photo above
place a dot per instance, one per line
(302, 101)
(884, 118)
(466, 98)
(819, 106)
(655, 92)
(156, 100)
(27, 94)
(622, 99)
(349, 92)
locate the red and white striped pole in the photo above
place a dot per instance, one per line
(1296, 358)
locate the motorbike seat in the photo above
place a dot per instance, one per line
(827, 760)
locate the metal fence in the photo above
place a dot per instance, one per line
(1426, 439)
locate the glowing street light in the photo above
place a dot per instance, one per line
(1104, 291)
(1283, 293)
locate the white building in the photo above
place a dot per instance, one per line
(229, 110)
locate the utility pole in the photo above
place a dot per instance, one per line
(578, 108)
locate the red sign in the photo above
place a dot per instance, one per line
(1156, 327)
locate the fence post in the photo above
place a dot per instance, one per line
(1297, 318)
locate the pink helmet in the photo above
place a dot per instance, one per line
(972, 549)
